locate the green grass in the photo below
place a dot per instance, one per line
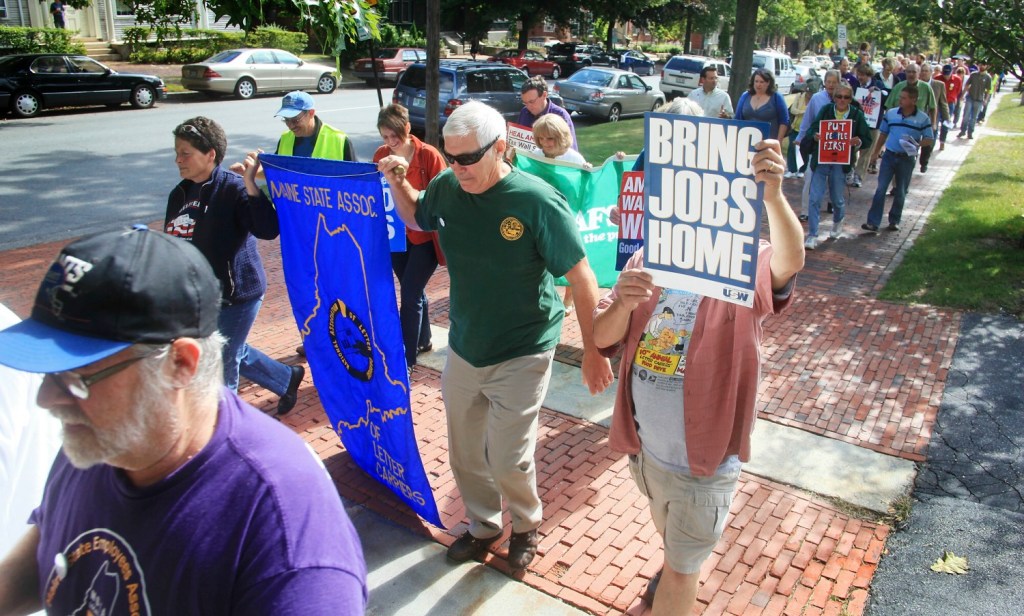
(1010, 114)
(971, 255)
(599, 141)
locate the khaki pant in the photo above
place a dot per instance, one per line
(492, 436)
(864, 156)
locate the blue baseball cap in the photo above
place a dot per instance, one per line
(294, 103)
(108, 291)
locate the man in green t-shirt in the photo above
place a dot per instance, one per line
(506, 235)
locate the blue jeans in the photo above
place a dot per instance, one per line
(900, 167)
(971, 110)
(234, 323)
(833, 174)
(414, 269)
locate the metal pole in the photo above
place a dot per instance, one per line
(376, 79)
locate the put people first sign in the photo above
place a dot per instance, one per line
(703, 217)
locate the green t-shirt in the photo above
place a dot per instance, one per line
(504, 247)
(925, 96)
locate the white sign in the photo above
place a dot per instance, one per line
(842, 36)
(520, 137)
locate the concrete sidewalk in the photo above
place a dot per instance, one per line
(851, 391)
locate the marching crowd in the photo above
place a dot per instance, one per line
(170, 483)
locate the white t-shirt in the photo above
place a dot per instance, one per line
(570, 156)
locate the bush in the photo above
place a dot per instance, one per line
(271, 36)
(38, 40)
(184, 46)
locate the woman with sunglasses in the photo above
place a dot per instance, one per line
(416, 265)
(762, 103)
(835, 174)
(222, 214)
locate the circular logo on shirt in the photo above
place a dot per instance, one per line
(97, 573)
(351, 341)
(511, 229)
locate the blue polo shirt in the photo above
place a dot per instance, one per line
(896, 125)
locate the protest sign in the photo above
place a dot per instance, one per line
(703, 216)
(834, 147)
(335, 226)
(520, 137)
(871, 104)
(592, 194)
(631, 217)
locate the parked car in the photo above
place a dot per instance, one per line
(461, 81)
(780, 65)
(811, 61)
(570, 57)
(804, 75)
(607, 58)
(636, 62)
(246, 72)
(30, 83)
(529, 61)
(681, 74)
(391, 63)
(608, 93)
(824, 63)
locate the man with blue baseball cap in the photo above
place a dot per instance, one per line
(308, 135)
(169, 493)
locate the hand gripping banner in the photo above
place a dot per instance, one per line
(335, 226)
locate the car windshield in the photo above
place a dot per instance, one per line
(590, 77)
(760, 61)
(386, 53)
(224, 56)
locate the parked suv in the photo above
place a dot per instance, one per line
(781, 67)
(462, 81)
(681, 74)
(570, 57)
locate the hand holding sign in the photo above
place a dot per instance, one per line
(633, 288)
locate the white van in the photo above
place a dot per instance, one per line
(781, 67)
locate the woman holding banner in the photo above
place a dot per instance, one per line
(222, 214)
(834, 173)
(417, 264)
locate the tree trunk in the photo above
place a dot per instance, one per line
(433, 110)
(609, 43)
(689, 30)
(743, 48)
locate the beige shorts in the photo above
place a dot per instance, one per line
(689, 512)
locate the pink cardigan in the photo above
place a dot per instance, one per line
(723, 370)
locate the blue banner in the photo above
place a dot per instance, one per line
(702, 220)
(335, 227)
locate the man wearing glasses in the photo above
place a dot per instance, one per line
(506, 235)
(170, 493)
(534, 94)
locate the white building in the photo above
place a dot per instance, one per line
(105, 20)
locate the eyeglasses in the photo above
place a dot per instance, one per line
(842, 98)
(471, 158)
(78, 385)
(188, 128)
(292, 121)
(531, 101)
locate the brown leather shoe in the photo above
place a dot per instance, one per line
(522, 549)
(468, 547)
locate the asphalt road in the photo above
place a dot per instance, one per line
(69, 172)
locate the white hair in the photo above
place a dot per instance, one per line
(206, 383)
(682, 106)
(474, 118)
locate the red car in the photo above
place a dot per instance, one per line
(391, 63)
(529, 61)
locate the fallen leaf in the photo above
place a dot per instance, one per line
(951, 563)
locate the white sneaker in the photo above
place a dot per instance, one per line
(837, 230)
(799, 174)
(850, 178)
(789, 174)
(811, 242)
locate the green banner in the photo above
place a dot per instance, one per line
(592, 194)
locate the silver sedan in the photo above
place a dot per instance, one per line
(245, 72)
(608, 93)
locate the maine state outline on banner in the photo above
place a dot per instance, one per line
(702, 221)
(335, 230)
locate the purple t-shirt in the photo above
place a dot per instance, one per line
(527, 119)
(251, 525)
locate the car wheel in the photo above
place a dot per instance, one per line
(658, 103)
(143, 97)
(650, 71)
(526, 69)
(326, 84)
(556, 73)
(615, 113)
(245, 88)
(26, 104)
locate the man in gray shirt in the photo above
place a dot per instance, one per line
(716, 103)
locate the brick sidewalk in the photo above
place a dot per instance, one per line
(839, 363)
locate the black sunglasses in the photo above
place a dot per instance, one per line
(188, 128)
(472, 158)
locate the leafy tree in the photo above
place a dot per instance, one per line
(164, 15)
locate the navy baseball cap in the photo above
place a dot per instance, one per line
(108, 291)
(294, 103)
